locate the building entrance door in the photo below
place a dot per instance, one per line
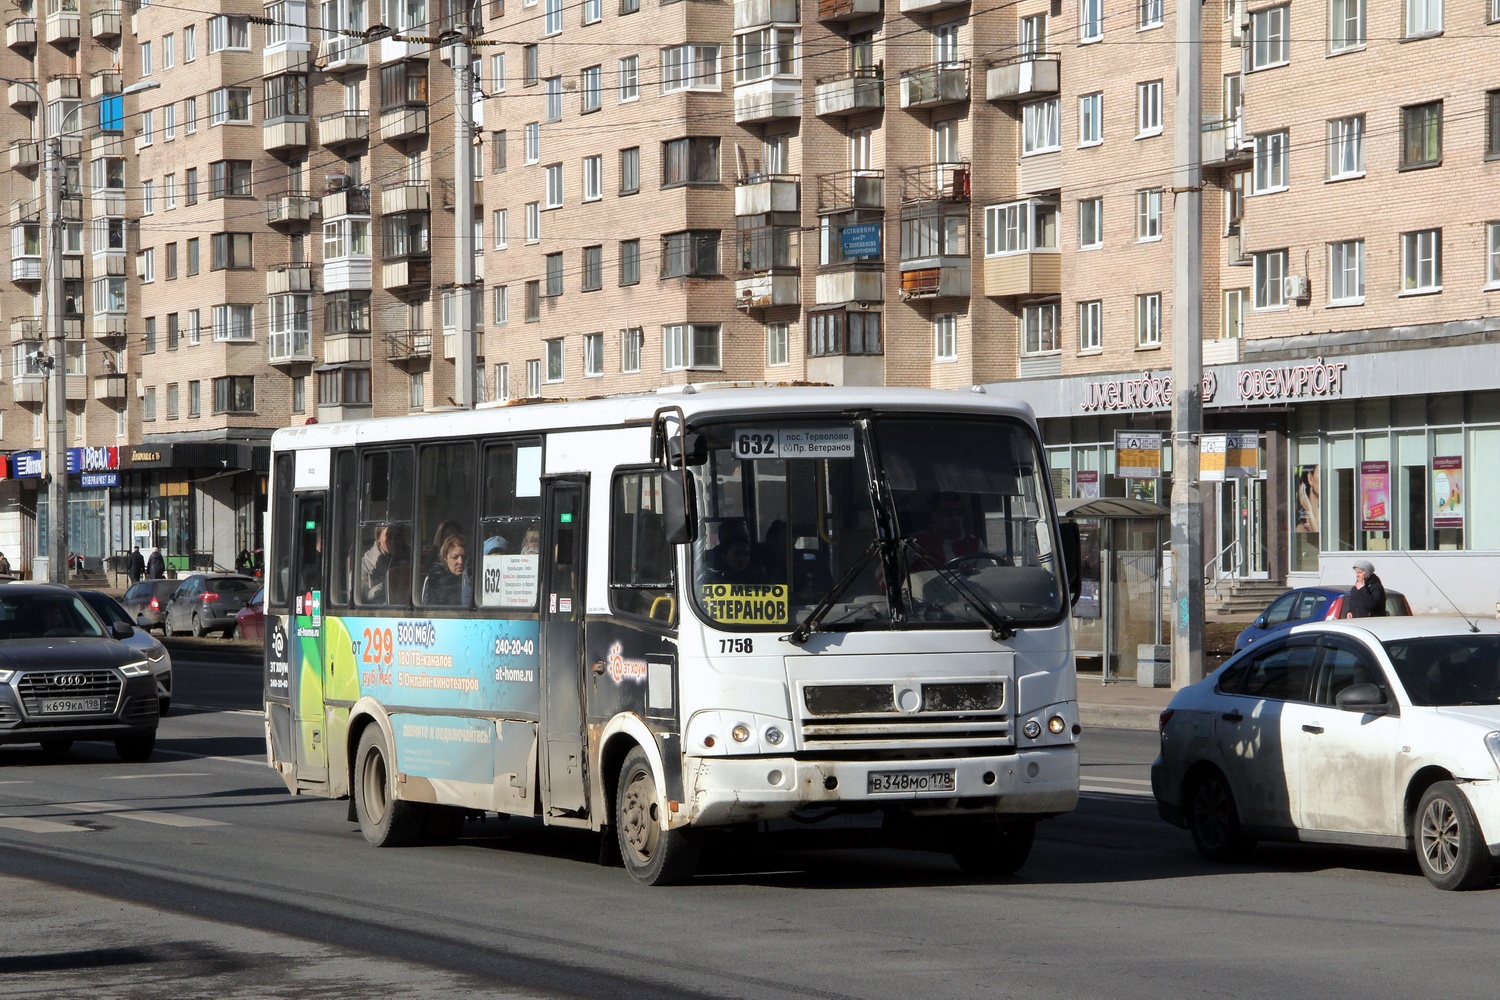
(1242, 530)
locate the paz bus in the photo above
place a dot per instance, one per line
(657, 614)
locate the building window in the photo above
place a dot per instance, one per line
(1346, 272)
(195, 397)
(1090, 326)
(1272, 154)
(630, 170)
(189, 43)
(285, 96)
(591, 89)
(229, 105)
(234, 322)
(145, 265)
(346, 237)
(593, 268)
(932, 229)
(552, 107)
(1091, 119)
(1423, 17)
(1090, 223)
(501, 297)
(552, 17)
(1270, 270)
(530, 65)
(169, 122)
(1148, 320)
(630, 262)
(234, 394)
(148, 197)
(593, 355)
(500, 226)
(192, 256)
(190, 114)
(533, 222)
(945, 337)
(145, 59)
(1422, 135)
(190, 186)
(766, 53)
(532, 139)
(1346, 147)
(1039, 329)
(1020, 227)
(778, 344)
(345, 314)
(169, 191)
(690, 161)
(170, 261)
(533, 378)
(174, 395)
(554, 349)
(1148, 14)
(1347, 25)
(150, 338)
(689, 67)
(502, 383)
(533, 301)
(497, 73)
(225, 32)
(1492, 268)
(690, 345)
(1148, 215)
(228, 179)
(231, 251)
(593, 178)
(346, 386)
(693, 252)
(416, 392)
(1148, 108)
(836, 332)
(628, 74)
(1270, 43)
(1090, 20)
(631, 339)
(554, 174)
(593, 11)
(148, 404)
(498, 151)
(195, 328)
(1040, 129)
(174, 331)
(1422, 261)
(554, 275)
(1233, 325)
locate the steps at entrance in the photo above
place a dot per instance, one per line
(1241, 598)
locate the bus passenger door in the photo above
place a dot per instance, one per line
(563, 561)
(306, 626)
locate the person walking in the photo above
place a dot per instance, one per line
(156, 566)
(4, 565)
(135, 566)
(1367, 599)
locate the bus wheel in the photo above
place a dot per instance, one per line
(652, 854)
(384, 820)
(994, 850)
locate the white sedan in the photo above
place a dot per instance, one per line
(1377, 732)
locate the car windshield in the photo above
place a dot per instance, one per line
(1448, 670)
(34, 616)
(107, 608)
(789, 520)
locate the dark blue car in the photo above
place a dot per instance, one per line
(1308, 604)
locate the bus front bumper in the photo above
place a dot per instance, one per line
(1040, 781)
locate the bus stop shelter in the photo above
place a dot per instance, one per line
(1120, 606)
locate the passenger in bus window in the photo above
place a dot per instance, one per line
(448, 584)
(387, 551)
(945, 536)
(733, 559)
(432, 557)
(531, 545)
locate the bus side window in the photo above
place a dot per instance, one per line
(641, 581)
(281, 529)
(385, 512)
(344, 524)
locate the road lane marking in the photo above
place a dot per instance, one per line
(30, 825)
(259, 713)
(1123, 781)
(161, 774)
(1089, 788)
(18, 781)
(255, 762)
(169, 819)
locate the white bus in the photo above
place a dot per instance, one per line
(651, 615)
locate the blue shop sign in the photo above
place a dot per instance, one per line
(99, 480)
(27, 465)
(862, 240)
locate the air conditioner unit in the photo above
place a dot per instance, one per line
(1295, 288)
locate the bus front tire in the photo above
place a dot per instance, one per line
(991, 849)
(653, 854)
(385, 820)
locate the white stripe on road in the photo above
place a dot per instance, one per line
(253, 762)
(29, 825)
(161, 774)
(169, 819)
(1088, 788)
(1123, 781)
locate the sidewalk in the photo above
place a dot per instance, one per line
(1119, 704)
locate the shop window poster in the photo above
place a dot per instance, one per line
(1309, 499)
(1375, 496)
(1448, 491)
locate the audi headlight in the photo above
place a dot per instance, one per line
(136, 669)
(1492, 741)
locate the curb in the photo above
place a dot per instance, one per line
(1118, 716)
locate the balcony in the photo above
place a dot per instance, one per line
(1035, 273)
(64, 88)
(25, 155)
(769, 268)
(396, 198)
(759, 13)
(343, 53)
(1039, 173)
(105, 83)
(25, 269)
(849, 283)
(110, 386)
(935, 182)
(936, 85)
(404, 122)
(928, 6)
(20, 34)
(30, 387)
(767, 100)
(846, 10)
(345, 200)
(64, 27)
(344, 127)
(285, 59)
(285, 278)
(107, 144)
(1022, 78)
(851, 189)
(291, 211)
(767, 291)
(20, 95)
(104, 24)
(342, 348)
(762, 193)
(29, 210)
(450, 343)
(1225, 143)
(408, 345)
(109, 326)
(948, 280)
(284, 134)
(25, 328)
(850, 93)
(71, 209)
(447, 187)
(290, 347)
(407, 274)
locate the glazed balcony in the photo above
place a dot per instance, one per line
(1039, 173)
(109, 326)
(407, 121)
(342, 348)
(759, 13)
(285, 278)
(1225, 143)
(284, 134)
(289, 347)
(850, 93)
(942, 278)
(929, 6)
(291, 212)
(1022, 78)
(20, 34)
(770, 273)
(24, 328)
(847, 10)
(64, 27)
(29, 210)
(770, 99)
(25, 155)
(30, 387)
(447, 187)
(762, 193)
(105, 24)
(851, 189)
(343, 53)
(948, 181)
(1037, 272)
(408, 345)
(26, 269)
(450, 343)
(850, 282)
(935, 86)
(110, 386)
(343, 128)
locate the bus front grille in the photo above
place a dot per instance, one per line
(922, 730)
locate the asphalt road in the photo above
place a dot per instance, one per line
(197, 875)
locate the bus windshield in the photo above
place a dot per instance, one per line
(904, 521)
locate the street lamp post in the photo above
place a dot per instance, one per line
(57, 334)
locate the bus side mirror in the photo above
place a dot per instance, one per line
(690, 449)
(1072, 552)
(676, 506)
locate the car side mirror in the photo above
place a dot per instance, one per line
(122, 630)
(1260, 622)
(1365, 698)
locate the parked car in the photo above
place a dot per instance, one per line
(1377, 732)
(1307, 604)
(207, 602)
(146, 602)
(109, 609)
(65, 676)
(249, 621)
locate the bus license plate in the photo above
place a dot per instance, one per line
(50, 705)
(882, 782)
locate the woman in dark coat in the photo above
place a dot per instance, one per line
(1367, 599)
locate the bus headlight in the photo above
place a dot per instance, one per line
(1056, 725)
(774, 736)
(1032, 729)
(740, 732)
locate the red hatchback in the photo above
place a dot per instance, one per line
(250, 621)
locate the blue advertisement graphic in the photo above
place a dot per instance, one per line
(446, 747)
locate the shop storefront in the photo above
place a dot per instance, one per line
(1394, 455)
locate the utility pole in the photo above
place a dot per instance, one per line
(1187, 351)
(463, 205)
(57, 375)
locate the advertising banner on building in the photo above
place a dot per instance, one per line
(1375, 496)
(1309, 498)
(1088, 484)
(1448, 491)
(1138, 454)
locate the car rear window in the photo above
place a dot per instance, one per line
(1448, 670)
(229, 585)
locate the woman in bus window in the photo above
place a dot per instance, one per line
(448, 583)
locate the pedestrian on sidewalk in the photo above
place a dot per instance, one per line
(156, 566)
(1367, 599)
(135, 566)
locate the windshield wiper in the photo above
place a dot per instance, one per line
(808, 625)
(1001, 627)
